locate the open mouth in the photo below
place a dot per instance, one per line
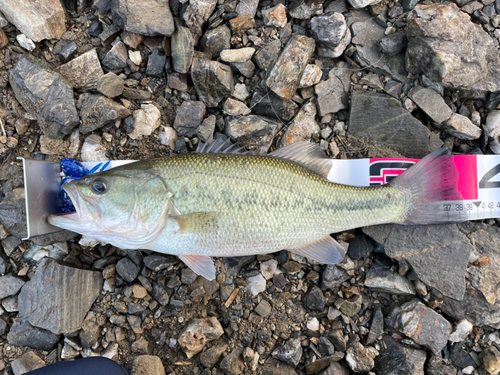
(73, 195)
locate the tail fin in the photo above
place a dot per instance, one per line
(429, 182)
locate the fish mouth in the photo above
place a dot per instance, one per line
(68, 218)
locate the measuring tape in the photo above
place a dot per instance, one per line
(478, 182)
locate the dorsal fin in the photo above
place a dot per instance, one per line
(220, 144)
(307, 154)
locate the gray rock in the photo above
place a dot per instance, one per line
(314, 299)
(68, 51)
(290, 352)
(335, 369)
(409, 4)
(110, 85)
(212, 355)
(82, 72)
(359, 247)
(156, 64)
(196, 14)
(350, 306)
(198, 333)
(363, 3)
(431, 103)
(9, 286)
(331, 95)
(24, 334)
(274, 367)
(136, 94)
(98, 111)
(10, 304)
(332, 277)
(247, 7)
(103, 6)
(246, 68)
(13, 216)
(147, 365)
(284, 77)
(117, 57)
(384, 280)
(266, 57)
(303, 127)
(89, 333)
(38, 20)
(232, 364)
(72, 292)
(380, 118)
(27, 362)
(331, 34)
(325, 347)
(151, 20)
(160, 294)
(188, 118)
(207, 128)
(376, 326)
(438, 254)
(399, 360)
(213, 81)
(272, 105)
(462, 128)
(10, 243)
(422, 324)
(182, 48)
(253, 132)
(127, 269)
(157, 263)
(109, 34)
(337, 339)
(234, 265)
(394, 43)
(46, 95)
(188, 276)
(140, 346)
(214, 41)
(492, 128)
(360, 359)
(474, 65)
(366, 37)
(263, 308)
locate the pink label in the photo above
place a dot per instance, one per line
(467, 175)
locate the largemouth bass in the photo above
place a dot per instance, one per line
(225, 204)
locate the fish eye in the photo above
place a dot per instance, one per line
(99, 185)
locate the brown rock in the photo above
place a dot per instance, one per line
(4, 42)
(198, 333)
(154, 19)
(212, 80)
(147, 365)
(284, 77)
(461, 127)
(83, 71)
(253, 132)
(312, 75)
(275, 16)
(132, 40)
(182, 47)
(242, 23)
(303, 126)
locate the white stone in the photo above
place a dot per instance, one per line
(468, 370)
(493, 129)
(168, 136)
(256, 284)
(269, 268)
(88, 242)
(275, 16)
(462, 128)
(135, 57)
(146, 120)
(363, 3)
(461, 331)
(235, 108)
(313, 324)
(240, 91)
(237, 55)
(25, 42)
(93, 150)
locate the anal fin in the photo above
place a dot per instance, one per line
(326, 251)
(201, 265)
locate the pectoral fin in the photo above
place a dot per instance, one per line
(201, 265)
(326, 251)
(197, 222)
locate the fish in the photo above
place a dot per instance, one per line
(225, 202)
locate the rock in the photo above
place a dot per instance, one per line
(275, 16)
(233, 364)
(248, 354)
(214, 41)
(13, 217)
(274, 367)
(147, 365)
(98, 111)
(157, 263)
(89, 333)
(397, 359)
(160, 294)
(284, 77)
(198, 333)
(156, 64)
(422, 324)
(247, 7)
(431, 103)
(325, 347)
(335, 369)
(312, 75)
(303, 127)
(207, 128)
(492, 129)
(182, 47)
(46, 95)
(351, 306)
(134, 17)
(290, 352)
(92, 149)
(438, 254)
(68, 51)
(491, 359)
(269, 268)
(331, 34)
(213, 81)
(110, 85)
(140, 346)
(256, 284)
(366, 37)
(331, 95)
(37, 19)
(9, 286)
(363, 3)
(246, 68)
(177, 81)
(117, 57)
(196, 14)
(237, 55)
(253, 132)
(440, 30)
(319, 364)
(266, 57)
(461, 331)
(132, 40)
(394, 43)
(314, 299)
(188, 118)
(462, 128)
(263, 309)
(136, 94)
(29, 361)
(384, 280)
(25, 42)
(241, 23)
(360, 247)
(212, 355)
(109, 34)
(82, 72)
(127, 269)
(146, 120)
(376, 327)
(360, 359)
(235, 108)
(272, 105)
(24, 334)
(381, 118)
(332, 277)
(72, 292)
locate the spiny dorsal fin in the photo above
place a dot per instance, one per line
(220, 144)
(307, 154)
